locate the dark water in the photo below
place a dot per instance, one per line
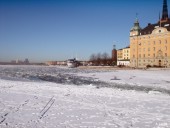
(66, 76)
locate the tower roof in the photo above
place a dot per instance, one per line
(136, 26)
(165, 10)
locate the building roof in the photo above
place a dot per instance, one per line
(148, 29)
(163, 22)
(124, 48)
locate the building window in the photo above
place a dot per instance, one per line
(154, 55)
(139, 55)
(153, 48)
(148, 49)
(143, 55)
(165, 41)
(154, 42)
(148, 55)
(166, 48)
(166, 54)
(160, 42)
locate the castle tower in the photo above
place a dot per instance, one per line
(135, 31)
(114, 53)
(165, 11)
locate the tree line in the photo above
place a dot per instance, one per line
(101, 59)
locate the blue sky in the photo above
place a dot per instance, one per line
(43, 30)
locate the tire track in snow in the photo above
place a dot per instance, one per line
(47, 107)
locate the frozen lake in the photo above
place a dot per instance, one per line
(58, 97)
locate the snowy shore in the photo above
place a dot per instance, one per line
(58, 97)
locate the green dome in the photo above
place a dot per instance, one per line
(136, 26)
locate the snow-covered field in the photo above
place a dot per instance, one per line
(58, 97)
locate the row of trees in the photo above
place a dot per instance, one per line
(101, 59)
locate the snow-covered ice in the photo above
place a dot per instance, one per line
(58, 97)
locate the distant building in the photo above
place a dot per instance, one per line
(114, 54)
(26, 61)
(13, 61)
(126, 53)
(120, 54)
(123, 56)
(19, 61)
(150, 46)
(56, 62)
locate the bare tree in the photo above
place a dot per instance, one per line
(92, 57)
(101, 59)
(105, 58)
(98, 62)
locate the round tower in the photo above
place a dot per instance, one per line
(114, 53)
(135, 30)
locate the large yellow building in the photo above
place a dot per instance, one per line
(150, 46)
